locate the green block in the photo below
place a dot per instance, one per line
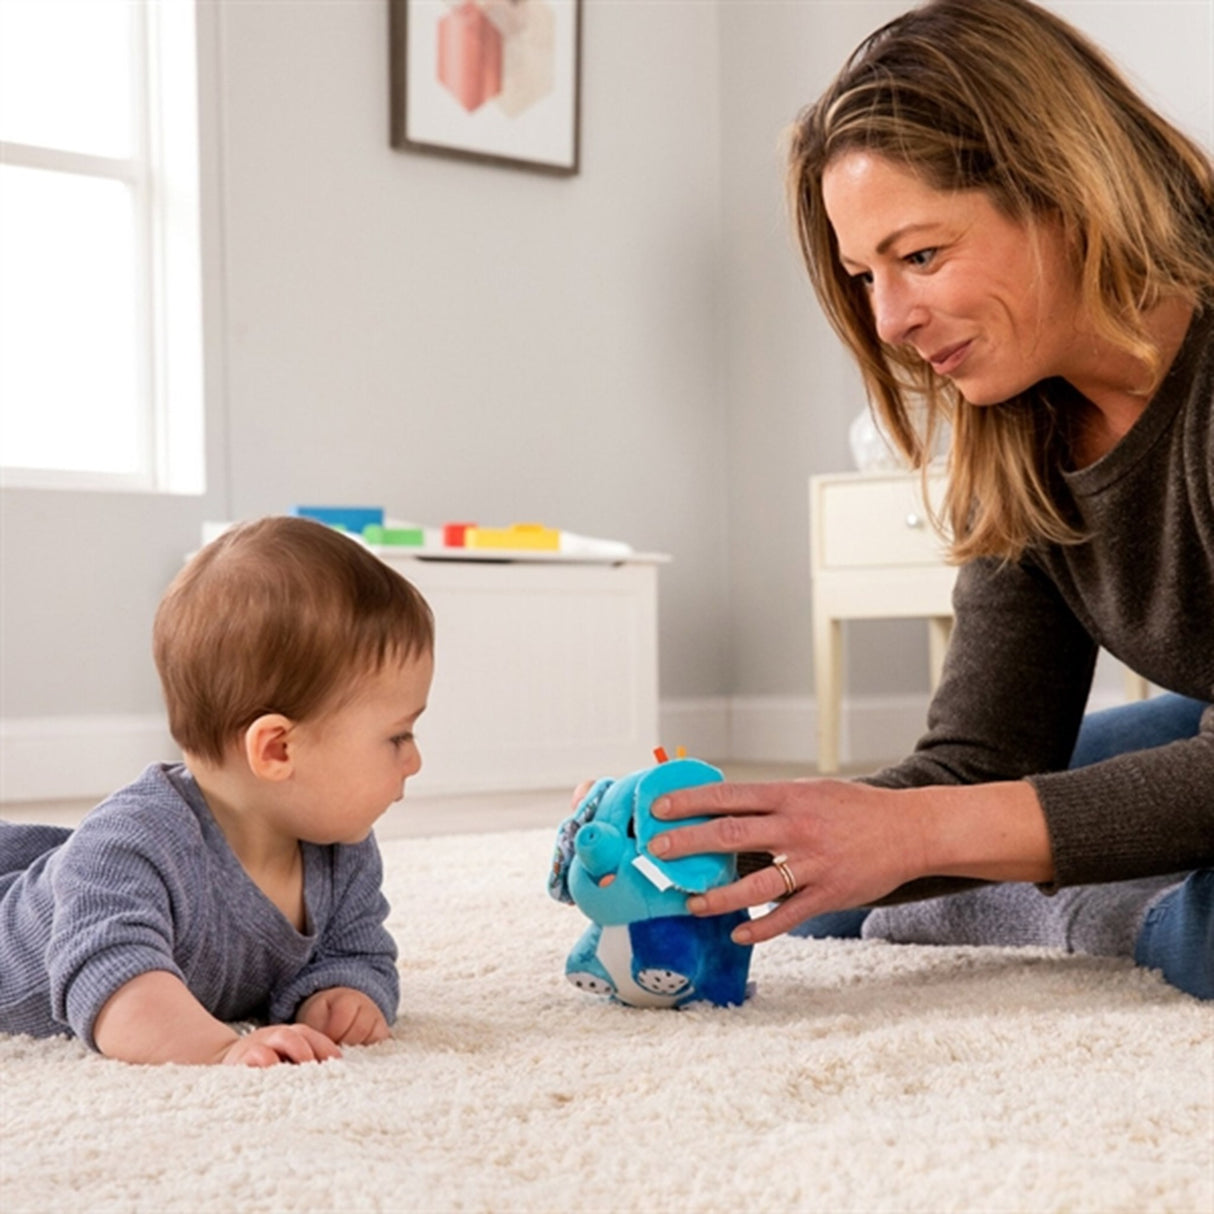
(394, 537)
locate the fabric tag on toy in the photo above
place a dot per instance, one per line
(649, 870)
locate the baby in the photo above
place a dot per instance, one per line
(243, 884)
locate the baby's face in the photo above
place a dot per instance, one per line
(352, 763)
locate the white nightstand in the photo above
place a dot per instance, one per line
(875, 555)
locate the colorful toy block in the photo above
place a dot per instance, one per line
(455, 535)
(533, 537)
(394, 537)
(349, 518)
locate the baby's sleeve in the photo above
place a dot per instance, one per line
(354, 948)
(113, 920)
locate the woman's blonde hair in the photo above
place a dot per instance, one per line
(1002, 96)
(282, 615)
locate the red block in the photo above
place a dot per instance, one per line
(455, 534)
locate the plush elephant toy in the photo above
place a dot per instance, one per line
(642, 948)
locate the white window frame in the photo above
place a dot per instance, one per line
(163, 176)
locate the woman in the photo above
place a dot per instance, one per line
(1011, 241)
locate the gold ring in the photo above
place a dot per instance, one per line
(780, 864)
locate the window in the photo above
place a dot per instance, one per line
(100, 281)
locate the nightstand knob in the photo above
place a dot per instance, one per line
(914, 521)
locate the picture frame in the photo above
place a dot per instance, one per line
(495, 81)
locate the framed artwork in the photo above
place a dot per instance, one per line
(490, 80)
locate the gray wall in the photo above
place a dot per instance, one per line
(792, 389)
(448, 340)
(631, 353)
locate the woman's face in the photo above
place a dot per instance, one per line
(990, 303)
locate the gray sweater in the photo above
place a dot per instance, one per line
(148, 882)
(1020, 662)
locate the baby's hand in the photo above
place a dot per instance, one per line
(579, 793)
(344, 1014)
(279, 1043)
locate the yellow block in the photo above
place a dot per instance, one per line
(532, 536)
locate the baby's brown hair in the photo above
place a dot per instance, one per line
(282, 615)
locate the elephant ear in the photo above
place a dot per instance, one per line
(691, 874)
(562, 852)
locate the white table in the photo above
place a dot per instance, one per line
(546, 667)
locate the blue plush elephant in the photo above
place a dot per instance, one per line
(642, 947)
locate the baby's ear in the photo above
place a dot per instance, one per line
(267, 748)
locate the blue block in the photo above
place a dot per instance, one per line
(352, 518)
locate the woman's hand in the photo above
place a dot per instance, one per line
(845, 845)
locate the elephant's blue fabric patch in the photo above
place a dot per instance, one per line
(695, 874)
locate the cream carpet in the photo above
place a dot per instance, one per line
(861, 1077)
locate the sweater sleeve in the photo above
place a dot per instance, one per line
(113, 919)
(1009, 706)
(1135, 815)
(355, 949)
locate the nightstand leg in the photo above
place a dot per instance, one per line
(1136, 687)
(939, 628)
(828, 680)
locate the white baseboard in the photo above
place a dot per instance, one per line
(81, 758)
(773, 729)
(699, 724)
(784, 729)
(78, 758)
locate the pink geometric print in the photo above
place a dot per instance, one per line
(498, 49)
(469, 56)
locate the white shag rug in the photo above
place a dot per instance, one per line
(861, 1077)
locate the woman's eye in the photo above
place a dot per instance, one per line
(864, 280)
(920, 257)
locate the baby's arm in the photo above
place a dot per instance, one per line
(154, 1018)
(354, 963)
(345, 1015)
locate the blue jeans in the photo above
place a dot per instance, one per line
(1177, 935)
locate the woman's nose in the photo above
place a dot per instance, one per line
(896, 313)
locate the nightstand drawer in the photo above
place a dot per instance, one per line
(879, 522)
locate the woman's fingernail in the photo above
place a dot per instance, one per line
(660, 808)
(741, 935)
(659, 845)
(696, 904)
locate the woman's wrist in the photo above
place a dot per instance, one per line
(993, 832)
